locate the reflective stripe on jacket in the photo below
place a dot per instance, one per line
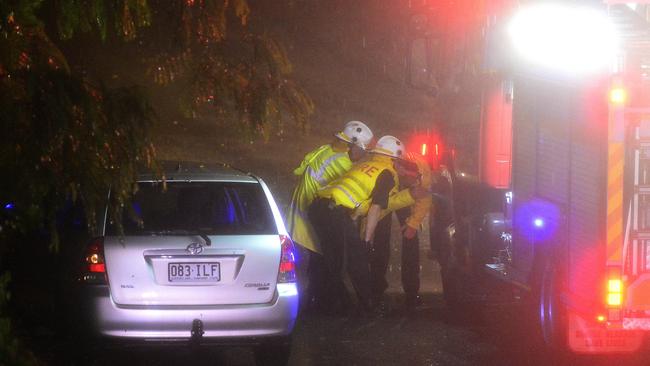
(420, 207)
(355, 186)
(318, 168)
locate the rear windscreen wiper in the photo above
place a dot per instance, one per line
(205, 237)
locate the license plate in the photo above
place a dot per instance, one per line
(194, 272)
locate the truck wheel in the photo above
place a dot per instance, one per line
(551, 313)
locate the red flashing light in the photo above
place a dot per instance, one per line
(429, 146)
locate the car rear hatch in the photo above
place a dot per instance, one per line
(194, 243)
(161, 270)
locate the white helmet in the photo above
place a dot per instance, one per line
(356, 132)
(389, 145)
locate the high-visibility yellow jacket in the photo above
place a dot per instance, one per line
(419, 208)
(317, 169)
(355, 186)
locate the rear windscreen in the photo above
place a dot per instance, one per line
(211, 208)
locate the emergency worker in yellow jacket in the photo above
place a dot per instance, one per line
(372, 179)
(411, 209)
(317, 169)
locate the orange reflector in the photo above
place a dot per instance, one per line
(424, 149)
(615, 286)
(614, 299)
(614, 292)
(618, 96)
(437, 150)
(94, 259)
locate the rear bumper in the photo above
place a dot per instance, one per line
(174, 323)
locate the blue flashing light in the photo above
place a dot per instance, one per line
(537, 220)
(9, 206)
(137, 208)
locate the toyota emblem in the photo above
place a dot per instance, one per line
(195, 248)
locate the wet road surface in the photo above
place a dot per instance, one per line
(430, 335)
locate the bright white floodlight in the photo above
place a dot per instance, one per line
(575, 39)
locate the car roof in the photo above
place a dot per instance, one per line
(195, 171)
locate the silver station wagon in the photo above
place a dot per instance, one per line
(204, 258)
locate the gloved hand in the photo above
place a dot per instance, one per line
(418, 192)
(408, 232)
(368, 245)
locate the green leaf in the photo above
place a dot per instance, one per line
(98, 13)
(68, 18)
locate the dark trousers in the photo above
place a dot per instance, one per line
(312, 275)
(340, 238)
(381, 256)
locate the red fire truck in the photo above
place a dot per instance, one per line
(561, 206)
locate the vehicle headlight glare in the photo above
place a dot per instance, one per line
(577, 39)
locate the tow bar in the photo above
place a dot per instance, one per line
(197, 331)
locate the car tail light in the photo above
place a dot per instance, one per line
(287, 271)
(95, 266)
